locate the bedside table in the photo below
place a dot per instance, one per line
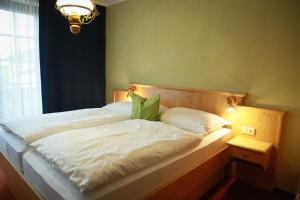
(251, 161)
(250, 150)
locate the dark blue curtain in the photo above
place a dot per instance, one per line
(72, 67)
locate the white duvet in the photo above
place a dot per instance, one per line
(94, 157)
(34, 128)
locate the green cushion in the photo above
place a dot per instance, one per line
(143, 108)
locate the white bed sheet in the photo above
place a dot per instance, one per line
(52, 185)
(13, 148)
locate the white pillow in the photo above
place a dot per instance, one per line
(125, 107)
(162, 109)
(122, 107)
(196, 121)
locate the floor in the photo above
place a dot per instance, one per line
(4, 191)
(236, 190)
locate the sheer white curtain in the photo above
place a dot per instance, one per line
(20, 90)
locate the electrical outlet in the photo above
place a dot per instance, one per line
(248, 130)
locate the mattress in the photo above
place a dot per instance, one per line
(52, 185)
(13, 148)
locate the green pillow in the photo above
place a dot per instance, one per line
(143, 108)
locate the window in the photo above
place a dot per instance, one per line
(20, 90)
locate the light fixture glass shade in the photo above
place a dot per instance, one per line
(231, 103)
(230, 108)
(75, 7)
(77, 12)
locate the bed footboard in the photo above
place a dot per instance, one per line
(196, 182)
(15, 181)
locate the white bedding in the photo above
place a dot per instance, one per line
(97, 156)
(35, 128)
(53, 185)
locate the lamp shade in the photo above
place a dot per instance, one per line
(230, 108)
(77, 12)
(75, 7)
(231, 103)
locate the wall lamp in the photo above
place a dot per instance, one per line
(131, 89)
(231, 104)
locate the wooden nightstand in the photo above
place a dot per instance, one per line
(251, 150)
(251, 161)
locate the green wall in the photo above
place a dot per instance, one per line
(248, 46)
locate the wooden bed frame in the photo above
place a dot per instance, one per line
(16, 182)
(190, 185)
(194, 183)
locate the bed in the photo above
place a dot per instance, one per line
(14, 145)
(164, 180)
(182, 176)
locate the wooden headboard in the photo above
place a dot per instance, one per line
(120, 95)
(210, 101)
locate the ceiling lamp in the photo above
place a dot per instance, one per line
(77, 12)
